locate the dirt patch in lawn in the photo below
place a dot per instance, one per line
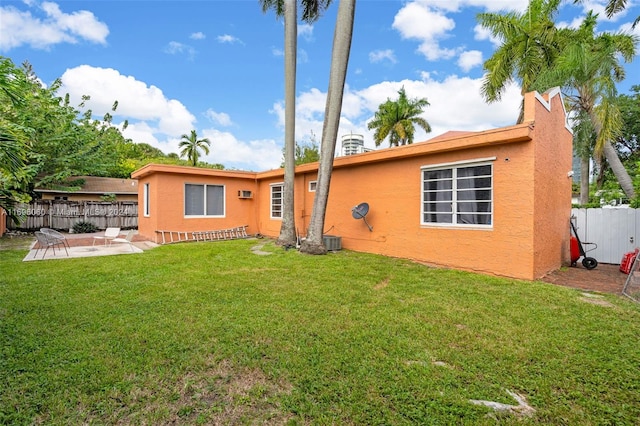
(225, 394)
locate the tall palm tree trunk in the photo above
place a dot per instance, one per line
(288, 227)
(611, 155)
(618, 170)
(339, 63)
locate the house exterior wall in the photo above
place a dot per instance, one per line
(552, 184)
(530, 188)
(392, 188)
(166, 196)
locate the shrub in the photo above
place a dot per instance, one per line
(84, 228)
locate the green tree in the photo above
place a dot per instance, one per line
(584, 141)
(304, 153)
(397, 120)
(312, 10)
(191, 146)
(14, 140)
(530, 44)
(588, 69)
(627, 143)
(307, 153)
(54, 140)
(342, 37)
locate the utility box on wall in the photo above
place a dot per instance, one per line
(332, 242)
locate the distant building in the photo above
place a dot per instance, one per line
(353, 144)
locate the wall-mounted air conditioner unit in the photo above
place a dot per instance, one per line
(245, 194)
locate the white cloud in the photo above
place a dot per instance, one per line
(303, 56)
(160, 122)
(489, 5)
(574, 24)
(430, 23)
(305, 31)
(455, 104)
(482, 33)
(498, 5)
(198, 36)
(598, 6)
(42, 32)
(447, 98)
(176, 48)
(141, 132)
(382, 55)
(421, 22)
(221, 118)
(627, 29)
(136, 100)
(257, 155)
(226, 38)
(81, 23)
(470, 59)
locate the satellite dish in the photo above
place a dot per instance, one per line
(360, 211)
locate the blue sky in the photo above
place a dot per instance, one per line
(217, 66)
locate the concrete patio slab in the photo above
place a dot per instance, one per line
(81, 251)
(84, 245)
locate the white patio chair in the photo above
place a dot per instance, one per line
(127, 239)
(109, 235)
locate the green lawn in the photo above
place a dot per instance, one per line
(210, 333)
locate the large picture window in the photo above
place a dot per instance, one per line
(204, 200)
(276, 201)
(458, 195)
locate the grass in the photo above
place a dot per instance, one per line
(210, 333)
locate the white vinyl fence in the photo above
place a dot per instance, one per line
(615, 231)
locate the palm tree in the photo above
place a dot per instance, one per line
(530, 44)
(191, 147)
(311, 12)
(613, 7)
(396, 119)
(584, 140)
(588, 69)
(337, 77)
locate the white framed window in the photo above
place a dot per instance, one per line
(276, 200)
(145, 198)
(313, 185)
(204, 200)
(459, 194)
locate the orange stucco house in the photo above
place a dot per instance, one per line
(496, 202)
